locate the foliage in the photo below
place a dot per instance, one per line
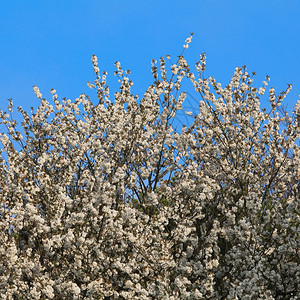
(108, 201)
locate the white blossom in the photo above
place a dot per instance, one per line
(108, 198)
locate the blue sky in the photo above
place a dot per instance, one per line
(50, 43)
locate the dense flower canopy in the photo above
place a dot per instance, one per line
(106, 200)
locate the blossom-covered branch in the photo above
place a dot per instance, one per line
(104, 199)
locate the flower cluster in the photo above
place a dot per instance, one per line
(107, 200)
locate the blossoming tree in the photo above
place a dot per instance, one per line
(106, 200)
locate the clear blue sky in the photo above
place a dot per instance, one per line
(50, 43)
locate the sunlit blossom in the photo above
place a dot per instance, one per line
(112, 198)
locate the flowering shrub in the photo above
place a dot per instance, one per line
(107, 200)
